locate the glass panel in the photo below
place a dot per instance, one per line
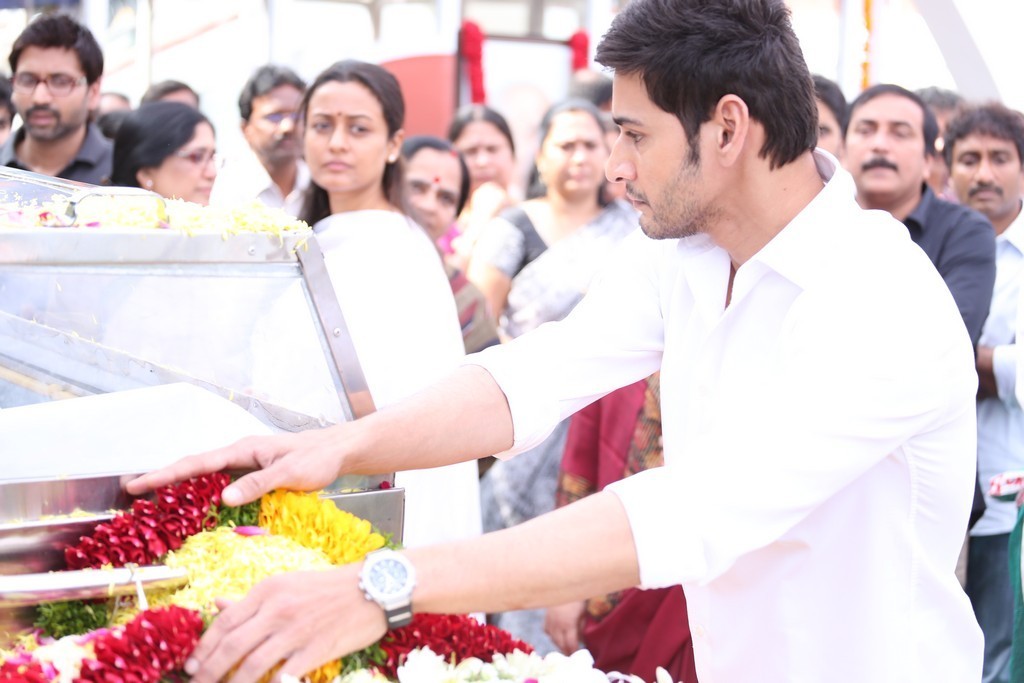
(247, 329)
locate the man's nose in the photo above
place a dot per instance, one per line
(618, 169)
(42, 93)
(984, 172)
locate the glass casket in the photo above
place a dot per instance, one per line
(182, 323)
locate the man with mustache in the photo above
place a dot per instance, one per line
(57, 66)
(984, 147)
(273, 174)
(890, 139)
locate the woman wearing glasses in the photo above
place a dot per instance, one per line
(169, 148)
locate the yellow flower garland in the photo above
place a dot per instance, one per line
(319, 524)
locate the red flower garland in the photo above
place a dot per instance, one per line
(149, 529)
(150, 647)
(23, 672)
(472, 47)
(446, 635)
(154, 643)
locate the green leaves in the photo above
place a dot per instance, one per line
(59, 619)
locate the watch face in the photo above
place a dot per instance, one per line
(388, 577)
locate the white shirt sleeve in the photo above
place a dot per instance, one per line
(618, 323)
(1004, 367)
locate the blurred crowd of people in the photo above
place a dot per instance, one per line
(435, 245)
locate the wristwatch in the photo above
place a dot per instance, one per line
(387, 578)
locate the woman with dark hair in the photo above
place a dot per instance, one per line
(169, 148)
(484, 139)
(428, 161)
(436, 186)
(386, 272)
(534, 263)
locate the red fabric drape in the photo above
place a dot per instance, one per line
(472, 46)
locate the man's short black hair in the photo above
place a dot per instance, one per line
(162, 89)
(828, 93)
(691, 53)
(61, 31)
(941, 100)
(930, 127)
(265, 79)
(993, 119)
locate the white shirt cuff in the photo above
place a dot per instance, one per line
(667, 553)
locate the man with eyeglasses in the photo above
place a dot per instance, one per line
(274, 173)
(57, 66)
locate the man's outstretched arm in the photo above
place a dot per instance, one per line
(463, 417)
(309, 618)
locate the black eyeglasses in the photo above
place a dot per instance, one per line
(58, 84)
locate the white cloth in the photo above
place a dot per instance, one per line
(819, 440)
(244, 180)
(401, 316)
(1000, 419)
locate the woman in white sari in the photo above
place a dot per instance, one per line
(534, 263)
(387, 275)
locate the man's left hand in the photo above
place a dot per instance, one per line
(300, 620)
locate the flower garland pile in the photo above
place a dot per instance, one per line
(185, 525)
(121, 212)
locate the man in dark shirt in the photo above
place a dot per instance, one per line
(890, 139)
(57, 66)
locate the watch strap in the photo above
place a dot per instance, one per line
(398, 616)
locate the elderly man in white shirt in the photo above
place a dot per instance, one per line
(271, 170)
(817, 399)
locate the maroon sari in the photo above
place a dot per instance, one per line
(635, 631)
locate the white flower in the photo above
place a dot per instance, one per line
(661, 676)
(423, 666)
(65, 655)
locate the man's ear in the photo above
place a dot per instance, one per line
(731, 120)
(93, 94)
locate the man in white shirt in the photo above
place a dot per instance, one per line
(984, 149)
(273, 173)
(817, 394)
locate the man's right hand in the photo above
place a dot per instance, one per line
(304, 461)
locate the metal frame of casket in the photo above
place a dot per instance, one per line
(250, 317)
